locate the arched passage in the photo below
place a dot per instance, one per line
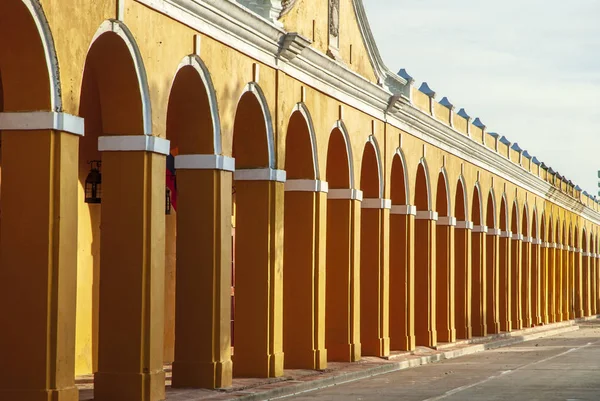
(544, 288)
(445, 321)
(535, 271)
(478, 266)
(564, 256)
(593, 261)
(462, 263)
(557, 272)
(504, 261)
(425, 266)
(526, 269)
(492, 266)
(117, 118)
(515, 269)
(198, 234)
(343, 266)
(39, 192)
(304, 248)
(577, 258)
(585, 276)
(402, 262)
(258, 253)
(374, 265)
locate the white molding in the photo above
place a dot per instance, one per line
(134, 143)
(404, 210)
(536, 241)
(448, 221)
(586, 254)
(517, 237)
(505, 234)
(376, 203)
(260, 174)
(306, 186)
(526, 239)
(468, 225)
(480, 229)
(427, 215)
(204, 162)
(345, 193)
(494, 231)
(121, 30)
(42, 120)
(546, 245)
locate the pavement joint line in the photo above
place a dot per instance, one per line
(512, 338)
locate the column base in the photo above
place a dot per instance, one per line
(493, 328)
(404, 343)
(209, 375)
(527, 322)
(129, 386)
(480, 330)
(428, 339)
(465, 333)
(66, 394)
(259, 367)
(378, 347)
(506, 326)
(546, 319)
(558, 317)
(311, 360)
(579, 313)
(517, 324)
(446, 336)
(344, 352)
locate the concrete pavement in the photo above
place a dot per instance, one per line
(563, 367)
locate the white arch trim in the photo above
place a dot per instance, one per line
(197, 64)
(255, 90)
(495, 209)
(303, 110)
(373, 141)
(423, 162)
(461, 180)
(400, 155)
(528, 227)
(120, 29)
(339, 125)
(448, 197)
(481, 216)
(504, 201)
(39, 18)
(518, 217)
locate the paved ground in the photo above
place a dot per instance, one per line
(565, 367)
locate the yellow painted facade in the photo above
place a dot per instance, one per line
(359, 215)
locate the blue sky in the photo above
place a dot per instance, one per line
(529, 69)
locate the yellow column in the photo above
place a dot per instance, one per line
(492, 280)
(537, 277)
(258, 324)
(526, 281)
(462, 269)
(505, 281)
(374, 277)
(203, 280)
(343, 275)
(565, 282)
(445, 280)
(425, 280)
(587, 279)
(552, 282)
(132, 248)
(580, 256)
(594, 264)
(544, 287)
(478, 268)
(38, 258)
(516, 281)
(304, 274)
(559, 282)
(402, 278)
(571, 287)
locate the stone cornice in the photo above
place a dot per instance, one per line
(238, 27)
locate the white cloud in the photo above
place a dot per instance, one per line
(529, 69)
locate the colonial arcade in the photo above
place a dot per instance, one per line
(320, 207)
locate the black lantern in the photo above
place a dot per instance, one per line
(93, 183)
(167, 201)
